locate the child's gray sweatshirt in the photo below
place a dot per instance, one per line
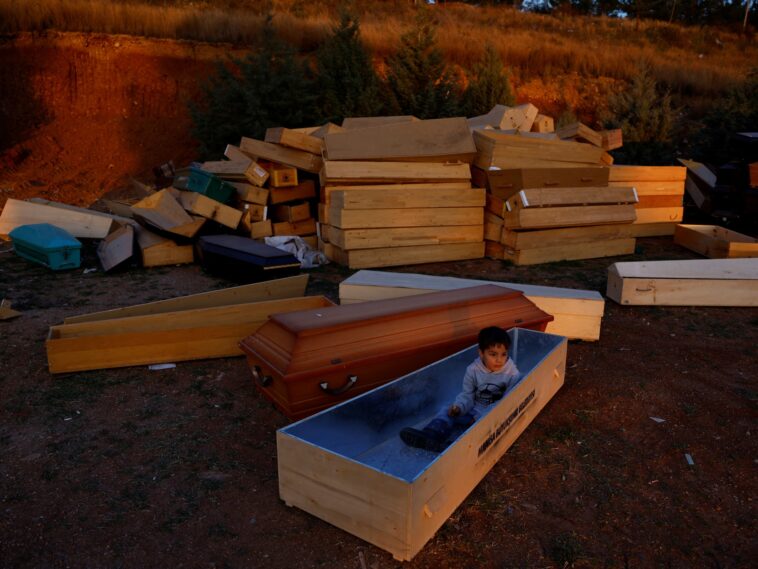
(480, 384)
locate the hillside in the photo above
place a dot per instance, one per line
(81, 112)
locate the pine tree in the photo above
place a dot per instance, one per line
(647, 119)
(418, 79)
(247, 96)
(347, 83)
(490, 85)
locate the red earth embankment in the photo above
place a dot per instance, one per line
(80, 114)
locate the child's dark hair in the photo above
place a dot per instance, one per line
(492, 336)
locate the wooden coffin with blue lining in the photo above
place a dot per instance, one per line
(348, 466)
(308, 360)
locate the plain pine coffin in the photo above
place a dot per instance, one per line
(348, 466)
(309, 360)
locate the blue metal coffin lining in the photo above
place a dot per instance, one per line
(366, 429)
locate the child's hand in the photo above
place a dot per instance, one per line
(454, 411)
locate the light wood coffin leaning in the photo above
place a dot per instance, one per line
(312, 359)
(348, 466)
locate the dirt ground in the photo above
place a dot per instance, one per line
(135, 468)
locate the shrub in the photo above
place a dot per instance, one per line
(418, 79)
(647, 119)
(490, 85)
(347, 83)
(247, 96)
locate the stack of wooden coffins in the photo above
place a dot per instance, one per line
(399, 192)
(549, 200)
(660, 190)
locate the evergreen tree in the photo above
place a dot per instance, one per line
(647, 119)
(347, 83)
(418, 79)
(736, 112)
(247, 96)
(490, 85)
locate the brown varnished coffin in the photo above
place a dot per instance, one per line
(304, 361)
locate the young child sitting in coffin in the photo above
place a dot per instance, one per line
(486, 380)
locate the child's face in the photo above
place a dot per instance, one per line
(494, 357)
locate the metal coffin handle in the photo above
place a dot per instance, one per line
(263, 380)
(351, 380)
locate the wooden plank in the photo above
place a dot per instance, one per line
(116, 248)
(502, 150)
(261, 229)
(651, 229)
(403, 236)
(505, 183)
(6, 312)
(659, 201)
(545, 197)
(352, 123)
(168, 337)
(125, 219)
(543, 123)
(660, 215)
(164, 212)
(209, 208)
(79, 223)
(349, 172)
(663, 188)
(235, 154)
(710, 282)
(569, 216)
(226, 168)
(158, 251)
(503, 117)
(293, 139)
(408, 217)
(408, 197)
(303, 191)
(305, 227)
(715, 242)
(291, 212)
(647, 174)
(700, 171)
(434, 188)
(256, 174)
(436, 140)
(569, 252)
(251, 193)
(493, 249)
(564, 236)
(612, 139)
(392, 256)
(282, 177)
(495, 206)
(281, 154)
(582, 133)
(252, 214)
(493, 227)
(276, 289)
(323, 130)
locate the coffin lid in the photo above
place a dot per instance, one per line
(315, 341)
(44, 236)
(304, 322)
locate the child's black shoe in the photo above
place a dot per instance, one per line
(424, 439)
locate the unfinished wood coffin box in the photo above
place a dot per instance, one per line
(715, 242)
(577, 313)
(505, 183)
(348, 466)
(194, 334)
(312, 359)
(701, 282)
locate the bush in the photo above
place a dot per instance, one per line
(647, 119)
(247, 96)
(418, 79)
(347, 83)
(490, 85)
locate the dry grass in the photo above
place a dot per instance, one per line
(691, 61)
